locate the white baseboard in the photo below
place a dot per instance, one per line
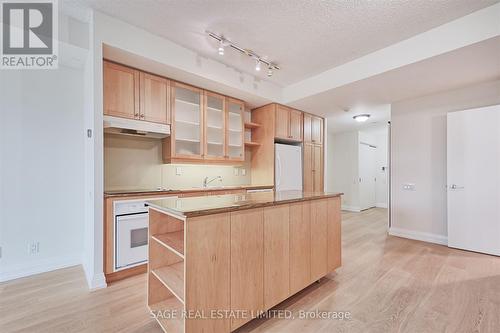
(351, 208)
(419, 235)
(98, 281)
(16, 271)
(381, 205)
(94, 280)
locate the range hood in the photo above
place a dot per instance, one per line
(133, 127)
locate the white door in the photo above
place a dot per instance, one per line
(288, 167)
(473, 172)
(367, 185)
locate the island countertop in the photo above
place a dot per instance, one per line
(199, 206)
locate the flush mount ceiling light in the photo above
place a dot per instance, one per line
(223, 42)
(361, 117)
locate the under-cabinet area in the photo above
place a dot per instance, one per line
(216, 263)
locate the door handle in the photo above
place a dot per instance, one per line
(456, 187)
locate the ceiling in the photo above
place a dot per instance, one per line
(304, 37)
(472, 64)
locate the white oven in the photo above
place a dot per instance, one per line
(131, 234)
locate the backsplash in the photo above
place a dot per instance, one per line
(136, 163)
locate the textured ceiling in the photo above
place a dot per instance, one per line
(304, 37)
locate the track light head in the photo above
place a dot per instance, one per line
(257, 65)
(269, 71)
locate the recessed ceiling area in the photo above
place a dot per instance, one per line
(303, 37)
(469, 65)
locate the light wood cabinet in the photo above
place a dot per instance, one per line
(319, 246)
(276, 255)
(186, 138)
(300, 246)
(288, 123)
(313, 168)
(247, 271)
(235, 132)
(245, 260)
(130, 93)
(120, 91)
(154, 98)
(317, 130)
(215, 126)
(334, 234)
(207, 257)
(207, 127)
(313, 129)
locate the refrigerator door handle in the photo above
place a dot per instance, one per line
(278, 165)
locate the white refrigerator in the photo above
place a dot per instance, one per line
(287, 167)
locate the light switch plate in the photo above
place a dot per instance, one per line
(243, 172)
(235, 171)
(178, 171)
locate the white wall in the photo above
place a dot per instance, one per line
(418, 155)
(42, 175)
(342, 167)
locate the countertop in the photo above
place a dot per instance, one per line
(145, 192)
(198, 206)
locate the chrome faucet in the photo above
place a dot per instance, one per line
(206, 181)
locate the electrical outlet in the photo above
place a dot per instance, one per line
(235, 171)
(34, 247)
(178, 171)
(243, 172)
(409, 187)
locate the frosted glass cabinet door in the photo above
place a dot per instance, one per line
(235, 145)
(187, 113)
(214, 126)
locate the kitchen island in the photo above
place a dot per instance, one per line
(217, 262)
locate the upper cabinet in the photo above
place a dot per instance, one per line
(215, 126)
(154, 98)
(235, 130)
(130, 93)
(121, 91)
(313, 129)
(186, 138)
(206, 127)
(288, 123)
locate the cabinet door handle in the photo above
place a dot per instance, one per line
(136, 115)
(142, 116)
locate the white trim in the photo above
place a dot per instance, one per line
(16, 271)
(381, 205)
(351, 208)
(419, 235)
(98, 281)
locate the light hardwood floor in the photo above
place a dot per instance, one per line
(388, 284)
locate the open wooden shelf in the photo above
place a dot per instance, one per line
(172, 277)
(172, 306)
(252, 144)
(251, 125)
(173, 241)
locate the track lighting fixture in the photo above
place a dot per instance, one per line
(224, 42)
(221, 48)
(257, 65)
